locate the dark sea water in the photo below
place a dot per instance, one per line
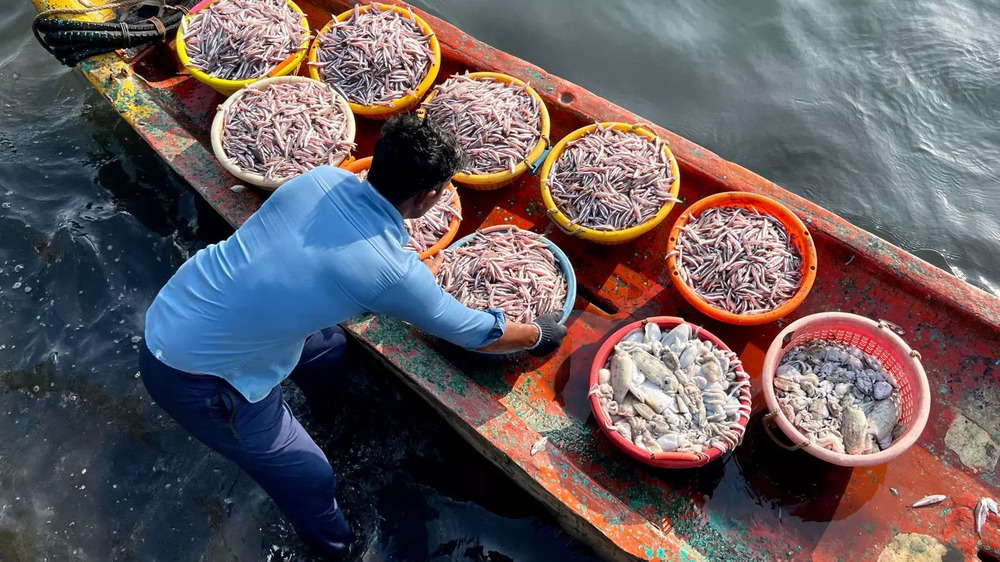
(884, 112)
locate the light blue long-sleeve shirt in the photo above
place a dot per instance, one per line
(323, 248)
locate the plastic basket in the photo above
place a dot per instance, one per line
(218, 125)
(362, 164)
(496, 180)
(397, 105)
(289, 66)
(874, 338)
(601, 236)
(798, 236)
(561, 259)
(666, 459)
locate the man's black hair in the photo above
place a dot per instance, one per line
(412, 155)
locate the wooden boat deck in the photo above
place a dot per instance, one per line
(758, 502)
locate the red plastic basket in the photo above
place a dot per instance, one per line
(672, 459)
(874, 338)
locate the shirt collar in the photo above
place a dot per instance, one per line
(391, 212)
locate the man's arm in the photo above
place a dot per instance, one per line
(419, 300)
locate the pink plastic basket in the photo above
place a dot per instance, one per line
(876, 339)
(671, 459)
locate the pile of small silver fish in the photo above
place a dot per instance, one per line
(840, 397)
(673, 391)
(426, 230)
(739, 260)
(497, 124)
(375, 57)
(512, 270)
(611, 179)
(241, 39)
(286, 128)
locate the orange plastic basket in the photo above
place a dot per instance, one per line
(874, 338)
(362, 164)
(671, 459)
(798, 235)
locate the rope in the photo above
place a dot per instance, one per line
(126, 29)
(160, 28)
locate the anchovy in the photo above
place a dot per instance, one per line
(375, 56)
(286, 128)
(241, 39)
(739, 260)
(611, 180)
(496, 124)
(984, 507)
(929, 500)
(512, 270)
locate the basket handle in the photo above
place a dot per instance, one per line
(770, 433)
(886, 325)
(574, 230)
(533, 168)
(636, 127)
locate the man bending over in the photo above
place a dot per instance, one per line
(242, 315)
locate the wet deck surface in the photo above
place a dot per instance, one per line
(758, 502)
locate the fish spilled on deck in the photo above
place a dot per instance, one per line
(611, 180)
(496, 124)
(513, 270)
(242, 39)
(674, 392)
(739, 260)
(286, 128)
(375, 57)
(840, 397)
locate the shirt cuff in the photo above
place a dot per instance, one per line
(499, 326)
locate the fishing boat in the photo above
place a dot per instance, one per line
(760, 501)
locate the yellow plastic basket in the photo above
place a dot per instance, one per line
(398, 105)
(496, 180)
(601, 236)
(226, 87)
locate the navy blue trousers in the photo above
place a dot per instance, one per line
(264, 438)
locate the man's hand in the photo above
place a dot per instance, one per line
(434, 262)
(550, 334)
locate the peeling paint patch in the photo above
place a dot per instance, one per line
(913, 547)
(972, 444)
(982, 403)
